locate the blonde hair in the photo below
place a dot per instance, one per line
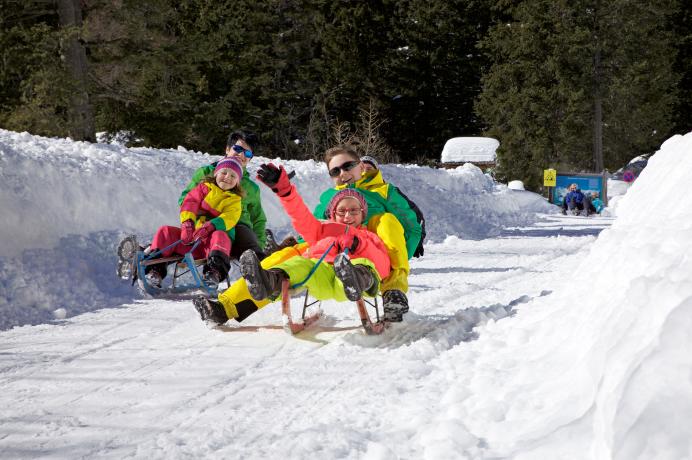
(338, 150)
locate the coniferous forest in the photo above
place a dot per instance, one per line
(577, 85)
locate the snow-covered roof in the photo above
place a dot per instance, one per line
(469, 149)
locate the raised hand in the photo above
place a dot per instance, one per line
(275, 178)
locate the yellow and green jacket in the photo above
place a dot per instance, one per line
(381, 197)
(209, 203)
(252, 214)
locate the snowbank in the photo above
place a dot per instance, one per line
(606, 355)
(67, 204)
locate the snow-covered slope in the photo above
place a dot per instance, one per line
(538, 342)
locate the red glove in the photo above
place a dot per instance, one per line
(204, 232)
(274, 178)
(347, 241)
(186, 231)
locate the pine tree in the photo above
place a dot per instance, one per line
(143, 70)
(80, 114)
(682, 27)
(297, 107)
(576, 85)
(639, 80)
(254, 61)
(35, 86)
(431, 74)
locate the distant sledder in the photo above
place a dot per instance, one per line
(208, 214)
(577, 203)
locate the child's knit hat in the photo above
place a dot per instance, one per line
(230, 163)
(371, 160)
(347, 193)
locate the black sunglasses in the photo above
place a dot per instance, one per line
(336, 170)
(239, 149)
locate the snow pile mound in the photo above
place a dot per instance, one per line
(57, 187)
(603, 371)
(67, 204)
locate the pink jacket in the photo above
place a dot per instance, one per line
(320, 235)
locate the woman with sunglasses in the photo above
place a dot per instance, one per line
(249, 232)
(389, 215)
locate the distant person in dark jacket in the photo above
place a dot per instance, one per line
(576, 202)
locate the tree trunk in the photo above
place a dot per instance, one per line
(597, 95)
(80, 113)
(597, 119)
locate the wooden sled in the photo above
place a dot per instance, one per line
(294, 327)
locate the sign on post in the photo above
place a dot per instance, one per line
(549, 177)
(628, 176)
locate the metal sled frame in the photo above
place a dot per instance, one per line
(371, 328)
(183, 265)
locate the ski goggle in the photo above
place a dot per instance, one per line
(336, 170)
(239, 149)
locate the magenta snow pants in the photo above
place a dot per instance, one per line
(167, 235)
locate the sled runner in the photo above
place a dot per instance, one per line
(307, 318)
(186, 280)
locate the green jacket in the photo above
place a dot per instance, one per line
(252, 214)
(381, 198)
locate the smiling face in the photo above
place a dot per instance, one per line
(226, 178)
(239, 156)
(348, 211)
(348, 170)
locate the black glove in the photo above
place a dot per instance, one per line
(268, 174)
(274, 178)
